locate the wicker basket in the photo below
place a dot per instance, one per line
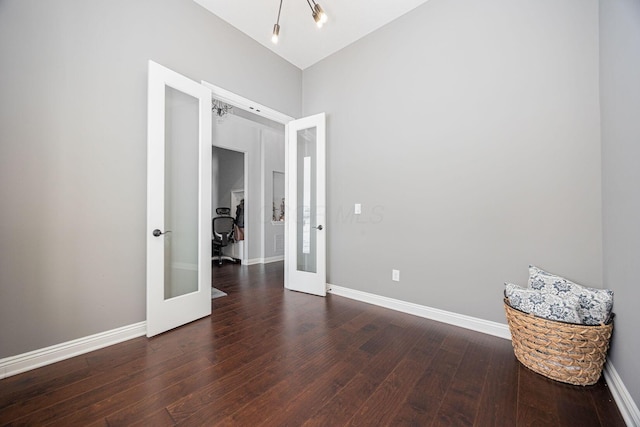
(566, 352)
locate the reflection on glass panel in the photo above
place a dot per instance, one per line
(278, 197)
(306, 197)
(306, 205)
(181, 194)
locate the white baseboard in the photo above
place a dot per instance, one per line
(626, 405)
(485, 326)
(263, 260)
(45, 356)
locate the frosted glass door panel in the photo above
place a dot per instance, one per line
(305, 248)
(306, 197)
(181, 193)
(178, 200)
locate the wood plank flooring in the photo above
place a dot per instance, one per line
(273, 357)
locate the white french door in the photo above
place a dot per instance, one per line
(178, 200)
(305, 248)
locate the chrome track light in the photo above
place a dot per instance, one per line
(319, 16)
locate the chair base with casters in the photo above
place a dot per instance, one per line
(222, 227)
(219, 257)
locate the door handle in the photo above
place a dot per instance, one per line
(158, 233)
(319, 227)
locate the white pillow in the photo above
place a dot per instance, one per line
(593, 305)
(541, 304)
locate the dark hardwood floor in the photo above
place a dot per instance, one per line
(279, 358)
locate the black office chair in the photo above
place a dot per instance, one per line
(222, 226)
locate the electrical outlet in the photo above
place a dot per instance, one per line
(357, 209)
(395, 275)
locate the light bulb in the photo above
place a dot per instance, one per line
(276, 33)
(317, 18)
(323, 16)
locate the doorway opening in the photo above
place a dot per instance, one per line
(227, 200)
(248, 165)
(167, 310)
(305, 166)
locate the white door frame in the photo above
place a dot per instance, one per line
(278, 117)
(245, 246)
(246, 104)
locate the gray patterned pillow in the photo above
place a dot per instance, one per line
(541, 304)
(593, 305)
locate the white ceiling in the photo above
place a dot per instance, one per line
(301, 42)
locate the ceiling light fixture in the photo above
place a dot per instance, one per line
(220, 109)
(276, 28)
(319, 16)
(317, 10)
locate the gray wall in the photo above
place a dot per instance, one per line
(230, 176)
(73, 85)
(469, 131)
(620, 106)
